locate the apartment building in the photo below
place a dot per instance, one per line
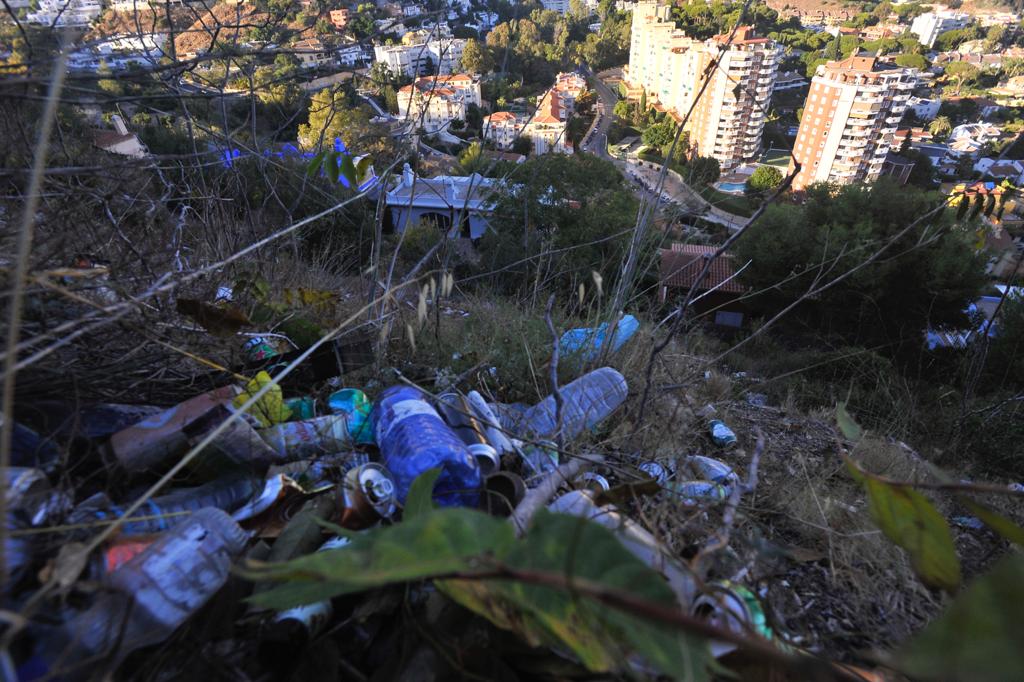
(850, 118)
(928, 26)
(547, 128)
(560, 6)
(670, 67)
(441, 56)
(432, 103)
(502, 128)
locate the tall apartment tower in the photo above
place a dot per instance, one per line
(849, 120)
(669, 67)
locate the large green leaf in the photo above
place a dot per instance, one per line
(909, 519)
(420, 498)
(997, 522)
(979, 637)
(427, 545)
(602, 637)
(850, 428)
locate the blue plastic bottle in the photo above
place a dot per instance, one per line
(413, 438)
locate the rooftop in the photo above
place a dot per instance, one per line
(445, 190)
(681, 265)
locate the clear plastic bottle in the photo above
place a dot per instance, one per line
(588, 401)
(152, 594)
(413, 438)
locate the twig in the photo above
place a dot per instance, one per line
(539, 496)
(555, 390)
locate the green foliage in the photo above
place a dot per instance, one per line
(950, 40)
(701, 170)
(913, 61)
(438, 543)
(1006, 349)
(577, 205)
(941, 126)
(476, 58)
(913, 286)
(978, 638)
(764, 179)
(660, 134)
(472, 160)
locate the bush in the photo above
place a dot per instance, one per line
(764, 180)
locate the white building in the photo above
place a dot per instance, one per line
(668, 66)
(432, 103)
(560, 6)
(924, 109)
(502, 128)
(460, 206)
(547, 128)
(66, 12)
(119, 140)
(928, 26)
(311, 53)
(440, 56)
(350, 55)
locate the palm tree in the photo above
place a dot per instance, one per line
(941, 126)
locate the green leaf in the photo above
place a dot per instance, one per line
(850, 429)
(315, 163)
(602, 637)
(909, 519)
(419, 500)
(997, 522)
(438, 543)
(348, 170)
(363, 167)
(331, 165)
(979, 638)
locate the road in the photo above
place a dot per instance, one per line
(596, 139)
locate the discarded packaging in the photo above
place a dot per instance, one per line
(355, 404)
(541, 456)
(587, 402)
(152, 593)
(413, 439)
(312, 437)
(709, 469)
(588, 343)
(657, 471)
(721, 434)
(492, 425)
(595, 483)
(732, 607)
(457, 411)
(258, 348)
(301, 408)
(28, 490)
(160, 437)
(693, 492)
(367, 496)
(312, 618)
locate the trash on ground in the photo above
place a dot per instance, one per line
(589, 343)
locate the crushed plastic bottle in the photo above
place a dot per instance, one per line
(542, 456)
(695, 492)
(413, 438)
(312, 437)
(167, 511)
(588, 401)
(152, 594)
(721, 434)
(595, 483)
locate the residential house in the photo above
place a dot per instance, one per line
(560, 6)
(1002, 169)
(458, 206)
(897, 167)
(65, 12)
(433, 103)
(351, 54)
(119, 140)
(412, 10)
(720, 291)
(971, 138)
(311, 53)
(924, 109)
(789, 80)
(502, 128)
(340, 17)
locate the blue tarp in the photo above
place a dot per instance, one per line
(589, 342)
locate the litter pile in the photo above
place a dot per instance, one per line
(252, 475)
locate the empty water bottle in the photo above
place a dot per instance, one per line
(588, 401)
(320, 436)
(457, 411)
(711, 469)
(413, 439)
(164, 512)
(152, 593)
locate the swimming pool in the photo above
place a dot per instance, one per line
(732, 187)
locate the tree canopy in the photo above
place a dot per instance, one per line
(925, 278)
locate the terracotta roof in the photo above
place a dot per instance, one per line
(549, 108)
(500, 116)
(681, 265)
(744, 36)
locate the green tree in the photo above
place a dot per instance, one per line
(702, 170)
(941, 126)
(917, 284)
(764, 180)
(659, 134)
(472, 160)
(333, 113)
(476, 58)
(913, 61)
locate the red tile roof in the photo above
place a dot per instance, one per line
(681, 265)
(499, 116)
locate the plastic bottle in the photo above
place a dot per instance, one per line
(153, 593)
(694, 492)
(459, 415)
(413, 438)
(492, 425)
(587, 402)
(167, 511)
(309, 438)
(712, 469)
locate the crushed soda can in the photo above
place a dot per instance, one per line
(258, 348)
(659, 472)
(694, 492)
(367, 496)
(721, 434)
(711, 469)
